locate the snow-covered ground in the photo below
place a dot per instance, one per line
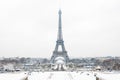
(108, 75)
(13, 76)
(61, 75)
(83, 75)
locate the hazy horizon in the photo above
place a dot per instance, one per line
(69, 57)
(28, 28)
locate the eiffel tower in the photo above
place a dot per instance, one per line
(59, 44)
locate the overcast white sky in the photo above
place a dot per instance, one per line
(29, 27)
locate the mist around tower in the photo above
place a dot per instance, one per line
(77, 40)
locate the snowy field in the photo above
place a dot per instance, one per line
(13, 76)
(61, 75)
(109, 75)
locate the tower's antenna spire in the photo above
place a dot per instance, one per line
(60, 26)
